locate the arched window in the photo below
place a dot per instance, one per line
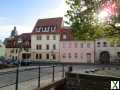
(104, 44)
(98, 44)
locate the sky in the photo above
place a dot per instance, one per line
(24, 13)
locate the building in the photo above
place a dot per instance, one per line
(45, 39)
(77, 51)
(50, 40)
(15, 50)
(107, 51)
(2, 50)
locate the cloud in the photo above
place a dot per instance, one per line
(5, 30)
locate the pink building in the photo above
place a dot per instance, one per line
(77, 51)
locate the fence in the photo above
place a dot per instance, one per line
(31, 78)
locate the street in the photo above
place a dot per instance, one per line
(7, 79)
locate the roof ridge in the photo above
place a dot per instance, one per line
(50, 18)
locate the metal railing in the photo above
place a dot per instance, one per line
(37, 73)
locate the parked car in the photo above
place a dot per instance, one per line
(26, 62)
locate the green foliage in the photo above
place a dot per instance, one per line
(82, 19)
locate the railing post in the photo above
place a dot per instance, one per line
(39, 76)
(17, 76)
(53, 73)
(63, 71)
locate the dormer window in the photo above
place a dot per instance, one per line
(53, 28)
(64, 36)
(42, 29)
(45, 29)
(39, 29)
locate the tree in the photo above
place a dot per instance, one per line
(82, 18)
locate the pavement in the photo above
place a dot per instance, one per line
(28, 76)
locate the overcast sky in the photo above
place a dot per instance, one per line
(24, 13)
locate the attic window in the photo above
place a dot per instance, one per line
(64, 36)
(53, 28)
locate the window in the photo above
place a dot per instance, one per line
(98, 44)
(64, 36)
(104, 44)
(48, 37)
(81, 45)
(36, 56)
(64, 55)
(54, 46)
(39, 37)
(52, 28)
(38, 47)
(47, 47)
(76, 55)
(16, 50)
(39, 29)
(76, 45)
(69, 55)
(88, 55)
(118, 54)
(54, 56)
(48, 29)
(16, 58)
(47, 56)
(54, 37)
(40, 56)
(88, 45)
(45, 29)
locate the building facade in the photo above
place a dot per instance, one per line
(15, 50)
(107, 51)
(77, 51)
(45, 39)
(50, 40)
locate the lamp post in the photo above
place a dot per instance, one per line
(17, 70)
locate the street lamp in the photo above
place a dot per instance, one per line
(19, 42)
(20, 47)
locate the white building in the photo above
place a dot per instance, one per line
(107, 51)
(45, 39)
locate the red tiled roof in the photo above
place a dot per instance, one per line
(12, 42)
(58, 22)
(68, 32)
